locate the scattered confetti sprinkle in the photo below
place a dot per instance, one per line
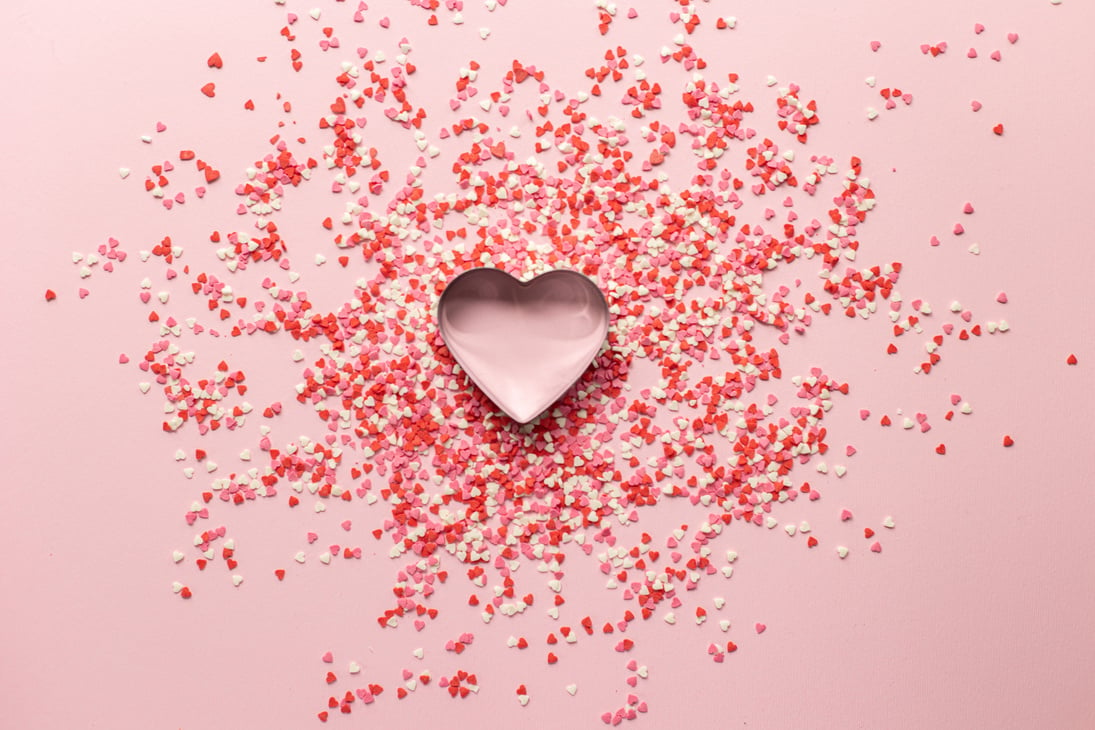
(525, 185)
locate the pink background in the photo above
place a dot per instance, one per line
(976, 614)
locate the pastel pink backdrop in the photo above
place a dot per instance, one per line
(977, 613)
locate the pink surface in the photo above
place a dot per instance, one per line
(976, 612)
(525, 343)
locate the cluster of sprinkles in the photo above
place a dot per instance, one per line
(680, 404)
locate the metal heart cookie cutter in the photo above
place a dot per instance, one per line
(524, 343)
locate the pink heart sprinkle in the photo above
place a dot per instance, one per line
(845, 515)
(978, 29)
(976, 105)
(995, 55)
(328, 658)
(761, 628)
(1013, 37)
(875, 45)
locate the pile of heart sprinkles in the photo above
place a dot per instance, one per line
(672, 203)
